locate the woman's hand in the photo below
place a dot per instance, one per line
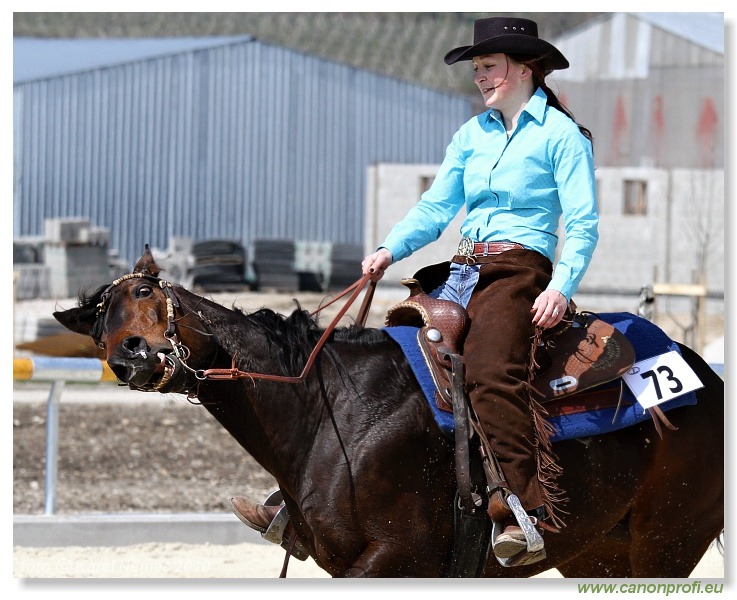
(549, 308)
(375, 264)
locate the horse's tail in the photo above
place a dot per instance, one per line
(720, 543)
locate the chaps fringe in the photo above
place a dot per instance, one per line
(548, 469)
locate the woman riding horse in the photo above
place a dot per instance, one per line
(516, 168)
(368, 476)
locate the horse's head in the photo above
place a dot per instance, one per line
(146, 334)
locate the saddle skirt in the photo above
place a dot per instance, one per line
(601, 409)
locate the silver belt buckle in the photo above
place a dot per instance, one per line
(465, 247)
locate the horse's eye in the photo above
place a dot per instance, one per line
(101, 345)
(144, 291)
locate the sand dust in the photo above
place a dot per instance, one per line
(173, 560)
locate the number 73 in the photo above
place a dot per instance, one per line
(663, 371)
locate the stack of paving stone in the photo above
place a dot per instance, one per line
(345, 265)
(273, 264)
(218, 265)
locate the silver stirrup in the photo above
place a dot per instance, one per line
(535, 545)
(275, 531)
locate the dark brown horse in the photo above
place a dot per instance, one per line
(367, 476)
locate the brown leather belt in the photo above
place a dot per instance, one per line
(472, 252)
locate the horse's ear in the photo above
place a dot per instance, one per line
(76, 319)
(146, 264)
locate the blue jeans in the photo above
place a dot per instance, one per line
(459, 285)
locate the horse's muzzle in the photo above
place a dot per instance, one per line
(146, 369)
(174, 377)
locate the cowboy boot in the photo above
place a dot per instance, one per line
(512, 541)
(271, 520)
(256, 516)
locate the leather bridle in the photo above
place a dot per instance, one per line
(182, 353)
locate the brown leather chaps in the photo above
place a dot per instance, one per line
(497, 357)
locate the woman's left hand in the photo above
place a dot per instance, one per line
(549, 308)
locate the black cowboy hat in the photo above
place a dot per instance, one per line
(509, 35)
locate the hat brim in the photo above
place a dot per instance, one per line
(550, 57)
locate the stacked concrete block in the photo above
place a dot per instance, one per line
(32, 280)
(312, 265)
(30, 275)
(77, 256)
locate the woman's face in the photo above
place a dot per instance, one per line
(498, 79)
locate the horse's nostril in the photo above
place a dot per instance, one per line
(135, 345)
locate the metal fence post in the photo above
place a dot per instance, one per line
(52, 445)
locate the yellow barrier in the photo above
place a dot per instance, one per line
(79, 370)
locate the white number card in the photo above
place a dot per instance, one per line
(661, 378)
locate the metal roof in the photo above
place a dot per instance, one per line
(702, 28)
(41, 58)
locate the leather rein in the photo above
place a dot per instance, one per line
(356, 287)
(182, 353)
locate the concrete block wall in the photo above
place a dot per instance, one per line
(392, 189)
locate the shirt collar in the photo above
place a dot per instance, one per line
(535, 107)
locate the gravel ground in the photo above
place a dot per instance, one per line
(166, 456)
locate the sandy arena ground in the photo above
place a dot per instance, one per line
(205, 561)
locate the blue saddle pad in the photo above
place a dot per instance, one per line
(647, 339)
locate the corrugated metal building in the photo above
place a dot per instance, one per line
(219, 138)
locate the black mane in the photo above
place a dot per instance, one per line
(293, 337)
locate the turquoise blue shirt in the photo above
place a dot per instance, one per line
(514, 189)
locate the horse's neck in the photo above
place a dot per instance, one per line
(274, 422)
